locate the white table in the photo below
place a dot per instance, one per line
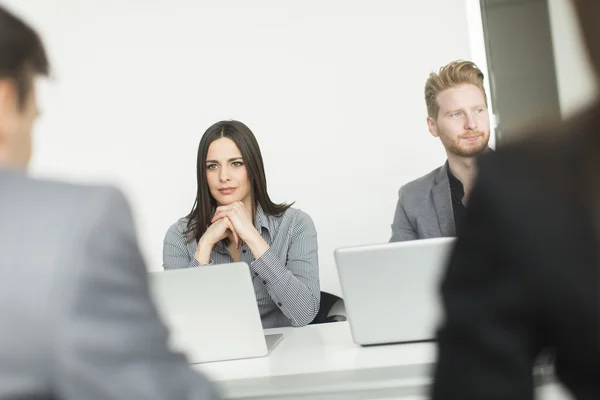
(322, 362)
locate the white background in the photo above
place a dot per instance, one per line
(333, 91)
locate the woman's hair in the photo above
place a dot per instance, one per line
(204, 205)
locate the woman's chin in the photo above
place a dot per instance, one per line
(226, 201)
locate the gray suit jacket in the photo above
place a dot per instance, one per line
(424, 208)
(76, 319)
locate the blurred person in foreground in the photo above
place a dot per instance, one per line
(525, 273)
(76, 318)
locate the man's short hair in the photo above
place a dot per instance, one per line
(455, 74)
(22, 54)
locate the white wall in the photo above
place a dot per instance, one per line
(333, 91)
(577, 86)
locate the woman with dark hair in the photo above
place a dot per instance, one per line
(233, 219)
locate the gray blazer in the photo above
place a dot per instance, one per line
(424, 208)
(76, 318)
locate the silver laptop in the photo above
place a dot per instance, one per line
(211, 312)
(391, 290)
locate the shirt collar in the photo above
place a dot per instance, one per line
(451, 175)
(456, 186)
(262, 220)
(454, 181)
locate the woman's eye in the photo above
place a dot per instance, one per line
(211, 166)
(237, 163)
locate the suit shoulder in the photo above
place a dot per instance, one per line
(293, 218)
(296, 216)
(68, 190)
(299, 222)
(296, 213)
(62, 197)
(178, 228)
(421, 184)
(303, 219)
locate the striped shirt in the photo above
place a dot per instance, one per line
(285, 277)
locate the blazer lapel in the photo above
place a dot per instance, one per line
(442, 201)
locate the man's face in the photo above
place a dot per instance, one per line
(16, 125)
(462, 123)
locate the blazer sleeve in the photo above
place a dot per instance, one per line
(487, 343)
(109, 340)
(402, 230)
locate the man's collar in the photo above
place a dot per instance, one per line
(453, 179)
